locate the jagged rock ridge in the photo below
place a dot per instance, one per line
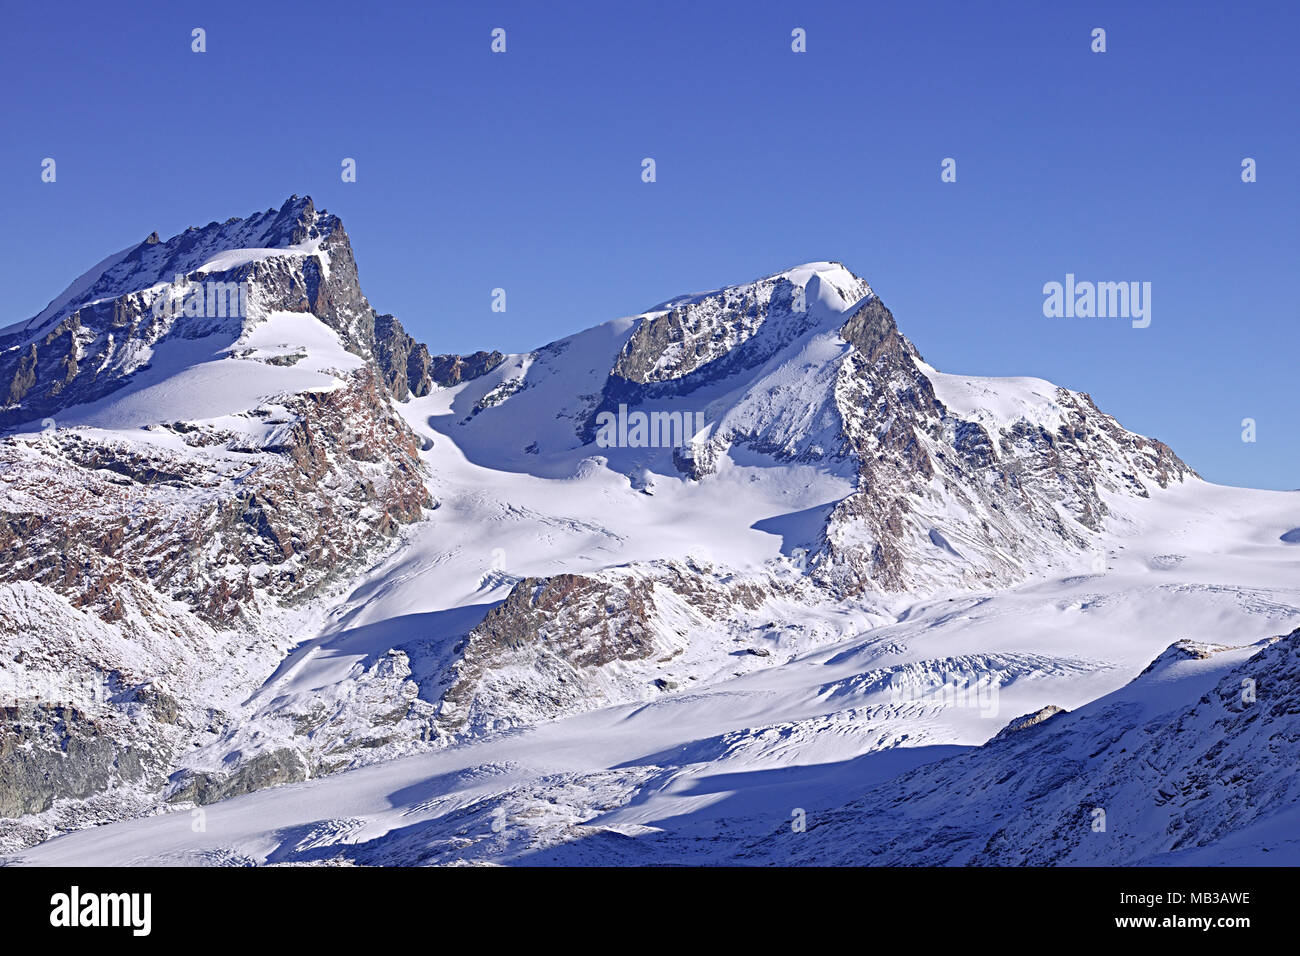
(176, 557)
(90, 341)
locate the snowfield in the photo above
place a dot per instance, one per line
(872, 613)
(847, 699)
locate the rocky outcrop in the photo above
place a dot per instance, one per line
(572, 642)
(448, 370)
(84, 514)
(927, 477)
(51, 750)
(264, 770)
(1030, 720)
(408, 368)
(691, 342)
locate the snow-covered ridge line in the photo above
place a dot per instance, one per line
(294, 229)
(844, 546)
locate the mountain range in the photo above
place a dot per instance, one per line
(740, 578)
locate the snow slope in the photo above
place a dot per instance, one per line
(861, 573)
(713, 773)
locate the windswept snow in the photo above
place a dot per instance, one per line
(743, 712)
(234, 258)
(844, 699)
(997, 403)
(205, 378)
(71, 296)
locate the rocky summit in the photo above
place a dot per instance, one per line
(742, 556)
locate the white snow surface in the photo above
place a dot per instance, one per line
(206, 378)
(811, 729)
(997, 402)
(842, 696)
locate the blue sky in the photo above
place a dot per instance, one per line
(523, 171)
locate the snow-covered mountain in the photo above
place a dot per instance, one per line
(640, 593)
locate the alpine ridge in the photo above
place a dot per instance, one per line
(288, 548)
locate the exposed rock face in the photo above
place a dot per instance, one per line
(135, 565)
(1030, 720)
(394, 350)
(706, 337)
(1184, 651)
(698, 460)
(409, 369)
(692, 342)
(264, 770)
(988, 501)
(453, 369)
(886, 406)
(51, 750)
(89, 343)
(548, 649)
(991, 502)
(84, 515)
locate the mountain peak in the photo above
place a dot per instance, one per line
(105, 326)
(821, 276)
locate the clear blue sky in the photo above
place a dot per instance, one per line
(523, 171)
